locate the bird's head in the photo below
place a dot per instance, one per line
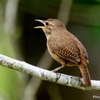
(49, 25)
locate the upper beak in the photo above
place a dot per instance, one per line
(41, 21)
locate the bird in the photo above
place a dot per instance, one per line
(64, 47)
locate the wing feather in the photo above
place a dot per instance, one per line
(65, 50)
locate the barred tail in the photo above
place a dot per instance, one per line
(85, 73)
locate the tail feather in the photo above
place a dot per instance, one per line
(85, 73)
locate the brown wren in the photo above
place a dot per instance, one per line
(65, 48)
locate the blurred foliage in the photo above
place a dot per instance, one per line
(10, 81)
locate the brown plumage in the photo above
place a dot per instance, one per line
(65, 48)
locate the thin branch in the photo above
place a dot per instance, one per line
(43, 74)
(64, 11)
(10, 15)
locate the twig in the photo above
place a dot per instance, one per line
(43, 74)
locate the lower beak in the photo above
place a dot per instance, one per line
(39, 27)
(41, 21)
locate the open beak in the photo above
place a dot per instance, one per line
(41, 21)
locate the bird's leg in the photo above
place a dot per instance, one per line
(58, 68)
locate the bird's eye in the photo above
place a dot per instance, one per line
(47, 23)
